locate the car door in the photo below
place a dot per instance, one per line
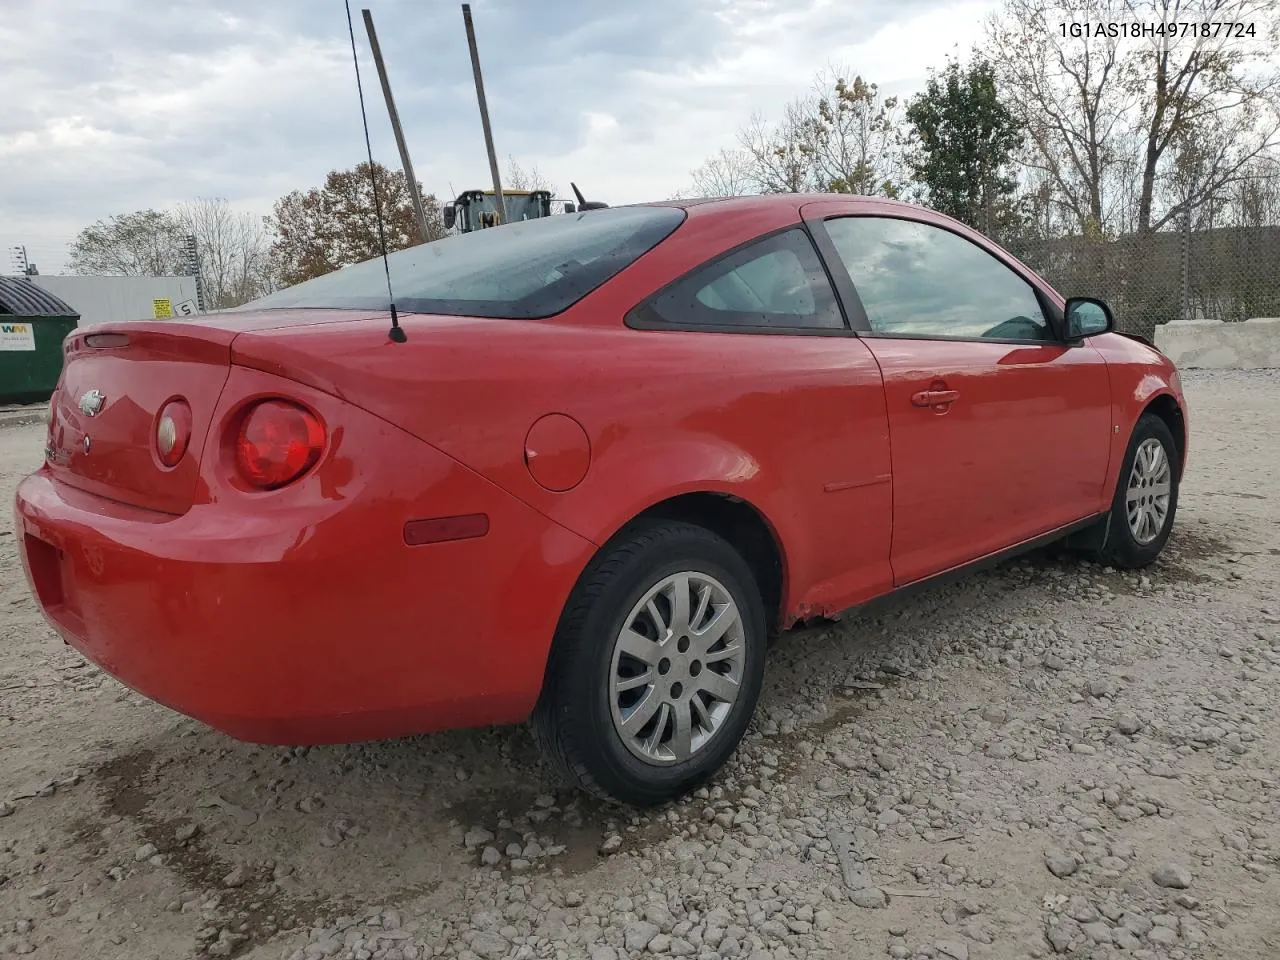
(999, 430)
(783, 379)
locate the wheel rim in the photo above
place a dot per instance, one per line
(677, 668)
(1150, 488)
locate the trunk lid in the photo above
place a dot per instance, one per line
(132, 371)
(136, 368)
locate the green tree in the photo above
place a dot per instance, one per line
(963, 144)
(145, 243)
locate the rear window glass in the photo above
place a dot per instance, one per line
(526, 269)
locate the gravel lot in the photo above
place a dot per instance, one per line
(1047, 759)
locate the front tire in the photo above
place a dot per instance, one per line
(1146, 497)
(656, 666)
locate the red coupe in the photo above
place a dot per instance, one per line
(613, 452)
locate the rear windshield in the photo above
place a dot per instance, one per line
(526, 269)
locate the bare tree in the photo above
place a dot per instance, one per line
(1109, 114)
(517, 178)
(727, 174)
(782, 154)
(856, 142)
(1072, 95)
(1203, 91)
(233, 250)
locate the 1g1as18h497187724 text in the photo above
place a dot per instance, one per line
(1174, 29)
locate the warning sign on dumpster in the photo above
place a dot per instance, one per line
(162, 308)
(17, 336)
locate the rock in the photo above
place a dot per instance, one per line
(43, 892)
(1052, 661)
(1060, 863)
(659, 944)
(186, 832)
(475, 837)
(955, 949)
(1063, 936)
(490, 945)
(1137, 923)
(1100, 688)
(20, 947)
(145, 852)
(1129, 724)
(869, 898)
(611, 845)
(637, 935)
(6, 809)
(603, 952)
(1171, 876)
(1097, 931)
(1163, 936)
(235, 878)
(491, 857)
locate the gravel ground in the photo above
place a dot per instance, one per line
(1047, 759)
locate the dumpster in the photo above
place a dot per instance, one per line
(33, 324)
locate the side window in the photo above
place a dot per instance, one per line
(917, 279)
(777, 282)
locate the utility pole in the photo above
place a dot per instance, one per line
(406, 164)
(484, 113)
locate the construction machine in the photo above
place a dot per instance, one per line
(477, 209)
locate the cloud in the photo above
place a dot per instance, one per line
(118, 105)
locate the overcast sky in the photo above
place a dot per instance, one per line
(118, 105)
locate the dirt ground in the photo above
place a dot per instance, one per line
(1047, 759)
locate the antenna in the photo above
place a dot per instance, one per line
(396, 333)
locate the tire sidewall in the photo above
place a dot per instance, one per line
(616, 768)
(1123, 546)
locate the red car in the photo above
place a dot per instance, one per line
(616, 450)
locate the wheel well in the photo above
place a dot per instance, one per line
(746, 530)
(1167, 409)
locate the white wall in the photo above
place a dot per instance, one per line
(1250, 345)
(99, 299)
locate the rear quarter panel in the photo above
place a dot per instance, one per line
(794, 425)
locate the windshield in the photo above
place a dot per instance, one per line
(526, 269)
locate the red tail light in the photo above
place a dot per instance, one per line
(173, 432)
(278, 442)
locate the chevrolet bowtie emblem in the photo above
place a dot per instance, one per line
(91, 403)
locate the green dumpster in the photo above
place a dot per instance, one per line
(33, 324)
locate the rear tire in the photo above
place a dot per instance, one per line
(1146, 497)
(646, 695)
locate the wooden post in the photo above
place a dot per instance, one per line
(484, 113)
(420, 214)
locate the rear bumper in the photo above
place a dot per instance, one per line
(307, 619)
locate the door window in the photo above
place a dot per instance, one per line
(777, 282)
(915, 279)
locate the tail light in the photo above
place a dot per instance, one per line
(277, 442)
(173, 432)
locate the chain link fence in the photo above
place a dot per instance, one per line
(1228, 273)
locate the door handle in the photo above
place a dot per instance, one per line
(934, 398)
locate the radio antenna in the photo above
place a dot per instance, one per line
(396, 332)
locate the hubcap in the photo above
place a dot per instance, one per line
(1150, 486)
(677, 668)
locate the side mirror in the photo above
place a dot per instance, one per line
(450, 215)
(570, 208)
(1087, 317)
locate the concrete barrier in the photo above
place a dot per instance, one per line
(1214, 345)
